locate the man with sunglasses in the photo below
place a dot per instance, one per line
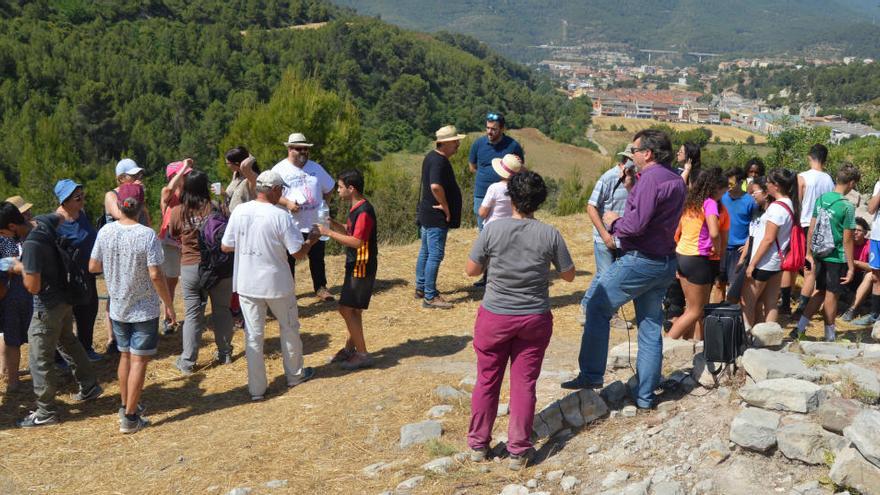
(306, 186)
(495, 144)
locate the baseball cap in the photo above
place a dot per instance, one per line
(127, 166)
(269, 178)
(130, 191)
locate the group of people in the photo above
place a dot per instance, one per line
(236, 247)
(663, 237)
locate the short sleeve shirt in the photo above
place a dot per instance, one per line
(263, 235)
(779, 216)
(483, 152)
(238, 192)
(875, 225)
(843, 217)
(497, 201)
(127, 252)
(519, 253)
(695, 239)
(82, 235)
(741, 210)
(39, 255)
(307, 187)
(436, 169)
(609, 194)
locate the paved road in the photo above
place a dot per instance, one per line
(602, 149)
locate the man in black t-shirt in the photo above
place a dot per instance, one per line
(439, 210)
(51, 325)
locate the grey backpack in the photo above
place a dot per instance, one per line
(822, 242)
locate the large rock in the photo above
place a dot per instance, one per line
(808, 442)
(837, 413)
(784, 394)
(540, 429)
(623, 355)
(867, 381)
(768, 334)
(864, 432)
(448, 393)
(614, 393)
(570, 405)
(833, 349)
(678, 350)
(754, 429)
(763, 364)
(417, 433)
(552, 416)
(701, 374)
(852, 470)
(667, 488)
(440, 465)
(592, 405)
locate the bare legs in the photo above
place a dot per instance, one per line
(354, 322)
(690, 322)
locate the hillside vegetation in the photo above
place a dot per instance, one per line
(85, 83)
(706, 25)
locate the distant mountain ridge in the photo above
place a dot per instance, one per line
(722, 26)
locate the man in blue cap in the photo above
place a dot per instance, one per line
(52, 324)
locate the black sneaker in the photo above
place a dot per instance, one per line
(90, 394)
(580, 383)
(133, 425)
(794, 335)
(93, 356)
(34, 420)
(223, 358)
(139, 411)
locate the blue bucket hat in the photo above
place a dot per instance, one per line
(64, 188)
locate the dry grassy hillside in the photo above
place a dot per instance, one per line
(726, 133)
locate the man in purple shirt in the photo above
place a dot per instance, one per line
(646, 232)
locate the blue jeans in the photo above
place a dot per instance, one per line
(604, 259)
(139, 338)
(477, 203)
(644, 281)
(430, 255)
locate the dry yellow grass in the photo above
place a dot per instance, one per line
(726, 133)
(207, 437)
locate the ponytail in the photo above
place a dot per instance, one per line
(786, 181)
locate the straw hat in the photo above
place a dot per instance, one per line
(507, 166)
(19, 203)
(628, 151)
(297, 139)
(448, 133)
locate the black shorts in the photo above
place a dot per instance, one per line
(16, 318)
(698, 270)
(763, 275)
(356, 291)
(828, 276)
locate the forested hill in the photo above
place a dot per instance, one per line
(83, 83)
(756, 26)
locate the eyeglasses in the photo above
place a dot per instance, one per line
(77, 197)
(493, 117)
(637, 150)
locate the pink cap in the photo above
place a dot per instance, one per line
(172, 169)
(130, 191)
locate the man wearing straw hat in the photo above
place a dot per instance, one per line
(23, 206)
(306, 186)
(439, 210)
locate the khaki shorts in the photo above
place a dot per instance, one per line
(171, 265)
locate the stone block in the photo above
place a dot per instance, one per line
(418, 433)
(864, 433)
(755, 429)
(838, 350)
(763, 364)
(552, 417)
(570, 406)
(592, 406)
(837, 413)
(808, 442)
(784, 394)
(852, 470)
(768, 334)
(614, 393)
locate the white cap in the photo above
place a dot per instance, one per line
(127, 166)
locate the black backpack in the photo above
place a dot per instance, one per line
(215, 265)
(724, 334)
(73, 279)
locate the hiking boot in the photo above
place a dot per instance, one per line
(308, 374)
(222, 358)
(580, 383)
(480, 454)
(139, 411)
(35, 419)
(90, 394)
(848, 315)
(420, 294)
(324, 295)
(133, 425)
(866, 321)
(358, 360)
(342, 355)
(93, 356)
(519, 461)
(437, 303)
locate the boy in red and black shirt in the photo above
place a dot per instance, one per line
(358, 236)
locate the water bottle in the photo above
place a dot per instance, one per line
(6, 264)
(324, 218)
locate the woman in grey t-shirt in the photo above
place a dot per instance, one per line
(514, 322)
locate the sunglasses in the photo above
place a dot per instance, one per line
(300, 150)
(492, 117)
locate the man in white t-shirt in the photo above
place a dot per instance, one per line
(306, 187)
(262, 234)
(811, 184)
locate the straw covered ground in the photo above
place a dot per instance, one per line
(207, 437)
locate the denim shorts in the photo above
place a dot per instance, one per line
(139, 338)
